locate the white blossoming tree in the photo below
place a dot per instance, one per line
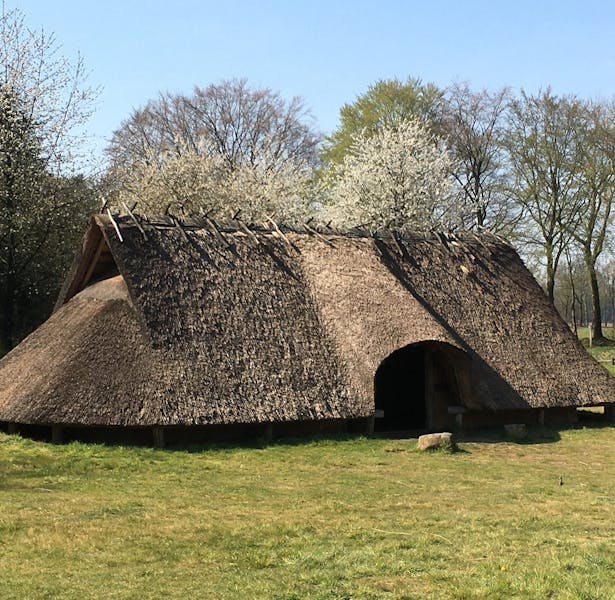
(193, 183)
(42, 103)
(397, 177)
(224, 148)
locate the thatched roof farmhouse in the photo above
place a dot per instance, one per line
(188, 329)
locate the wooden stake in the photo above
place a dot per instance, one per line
(247, 230)
(181, 229)
(442, 238)
(136, 222)
(394, 236)
(377, 247)
(216, 231)
(117, 229)
(279, 232)
(320, 237)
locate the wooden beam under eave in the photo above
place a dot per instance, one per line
(81, 264)
(57, 434)
(158, 437)
(93, 262)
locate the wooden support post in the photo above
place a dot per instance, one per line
(158, 437)
(459, 422)
(268, 432)
(541, 417)
(457, 412)
(94, 261)
(57, 434)
(371, 422)
(12, 428)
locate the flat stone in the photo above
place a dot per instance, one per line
(435, 440)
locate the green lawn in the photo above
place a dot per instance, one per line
(332, 519)
(604, 353)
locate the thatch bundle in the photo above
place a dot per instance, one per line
(196, 325)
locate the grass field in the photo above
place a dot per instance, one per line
(604, 353)
(329, 519)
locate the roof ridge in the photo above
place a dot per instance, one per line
(270, 227)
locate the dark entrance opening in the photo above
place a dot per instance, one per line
(415, 386)
(399, 390)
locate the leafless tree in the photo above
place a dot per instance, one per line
(222, 148)
(474, 127)
(595, 165)
(244, 126)
(543, 150)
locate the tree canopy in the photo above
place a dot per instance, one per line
(397, 177)
(42, 207)
(473, 126)
(223, 148)
(384, 104)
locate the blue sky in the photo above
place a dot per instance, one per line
(328, 52)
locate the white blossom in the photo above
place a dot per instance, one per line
(51, 89)
(189, 182)
(398, 177)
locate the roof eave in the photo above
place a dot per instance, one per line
(86, 259)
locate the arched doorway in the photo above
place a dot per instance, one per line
(415, 386)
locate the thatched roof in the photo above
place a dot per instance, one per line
(193, 325)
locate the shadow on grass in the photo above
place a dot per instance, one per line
(494, 435)
(598, 343)
(535, 435)
(488, 435)
(261, 443)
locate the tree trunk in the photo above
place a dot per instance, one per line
(573, 292)
(7, 320)
(595, 291)
(550, 274)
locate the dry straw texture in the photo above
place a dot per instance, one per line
(207, 328)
